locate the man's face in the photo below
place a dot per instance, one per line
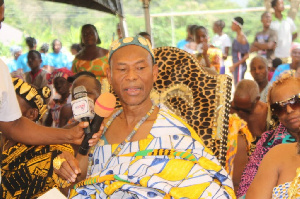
(295, 55)
(132, 74)
(266, 20)
(279, 6)
(34, 61)
(1, 14)
(259, 70)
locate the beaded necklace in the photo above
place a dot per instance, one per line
(121, 145)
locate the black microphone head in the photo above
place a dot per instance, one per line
(79, 92)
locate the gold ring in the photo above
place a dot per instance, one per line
(57, 162)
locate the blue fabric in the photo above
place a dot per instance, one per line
(22, 63)
(279, 70)
(46, 61)
(182, 43)
(58, 60)
(12, 65)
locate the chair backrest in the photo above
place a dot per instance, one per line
(201, 99)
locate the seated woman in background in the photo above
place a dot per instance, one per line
(278, 168)
(91, 58)
(286, 107)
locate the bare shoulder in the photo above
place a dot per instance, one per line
(102, 51)
(282, 151)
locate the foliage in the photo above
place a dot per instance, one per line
(47, 20)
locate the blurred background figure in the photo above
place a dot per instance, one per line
(22, 59)
(222, 41)
(146, 36)
(119, 31)
(285, 29)
(57, 57)
(275, 63)
(61, 95)
(36, 76)
(188, 38)
(240, 50)
(286, 66)
(259, 72)
(265, 41)
(16, 51)
(74, 49)
(207, 55)
(46, 61)
(92, 58)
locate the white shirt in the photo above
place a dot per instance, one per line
(9, 106)
(222, 41)
(284, 29)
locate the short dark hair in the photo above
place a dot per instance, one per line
(1, 2)
(34, 52)
(276, 62)
(240, 20)
(144, 34)
(30, 41)
(273, 3)
(95, 29)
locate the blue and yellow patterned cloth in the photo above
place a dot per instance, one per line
(171, 162)
(137, 40)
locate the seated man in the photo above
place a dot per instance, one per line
(27, 171)
(259, 72)
(247, 105)
(146, 150)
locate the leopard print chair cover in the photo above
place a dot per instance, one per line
(201, 99)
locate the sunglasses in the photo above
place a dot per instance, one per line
(279, 108)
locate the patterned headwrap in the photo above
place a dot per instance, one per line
(36, 98)
(137, 40)
(61, 72)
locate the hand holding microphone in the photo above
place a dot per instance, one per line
(82, 107)
(103, 107)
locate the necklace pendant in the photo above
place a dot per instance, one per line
(101, 142)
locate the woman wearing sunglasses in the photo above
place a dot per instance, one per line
(284, 101)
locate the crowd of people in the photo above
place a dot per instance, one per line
(143, 150)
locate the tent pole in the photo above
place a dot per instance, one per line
(147, 16)
(122, 19)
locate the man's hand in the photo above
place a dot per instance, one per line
(77, 133)
(69, 168)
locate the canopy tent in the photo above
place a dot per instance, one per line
(110, 6)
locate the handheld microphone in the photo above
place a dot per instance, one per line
(104, 106)
(83, 107)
